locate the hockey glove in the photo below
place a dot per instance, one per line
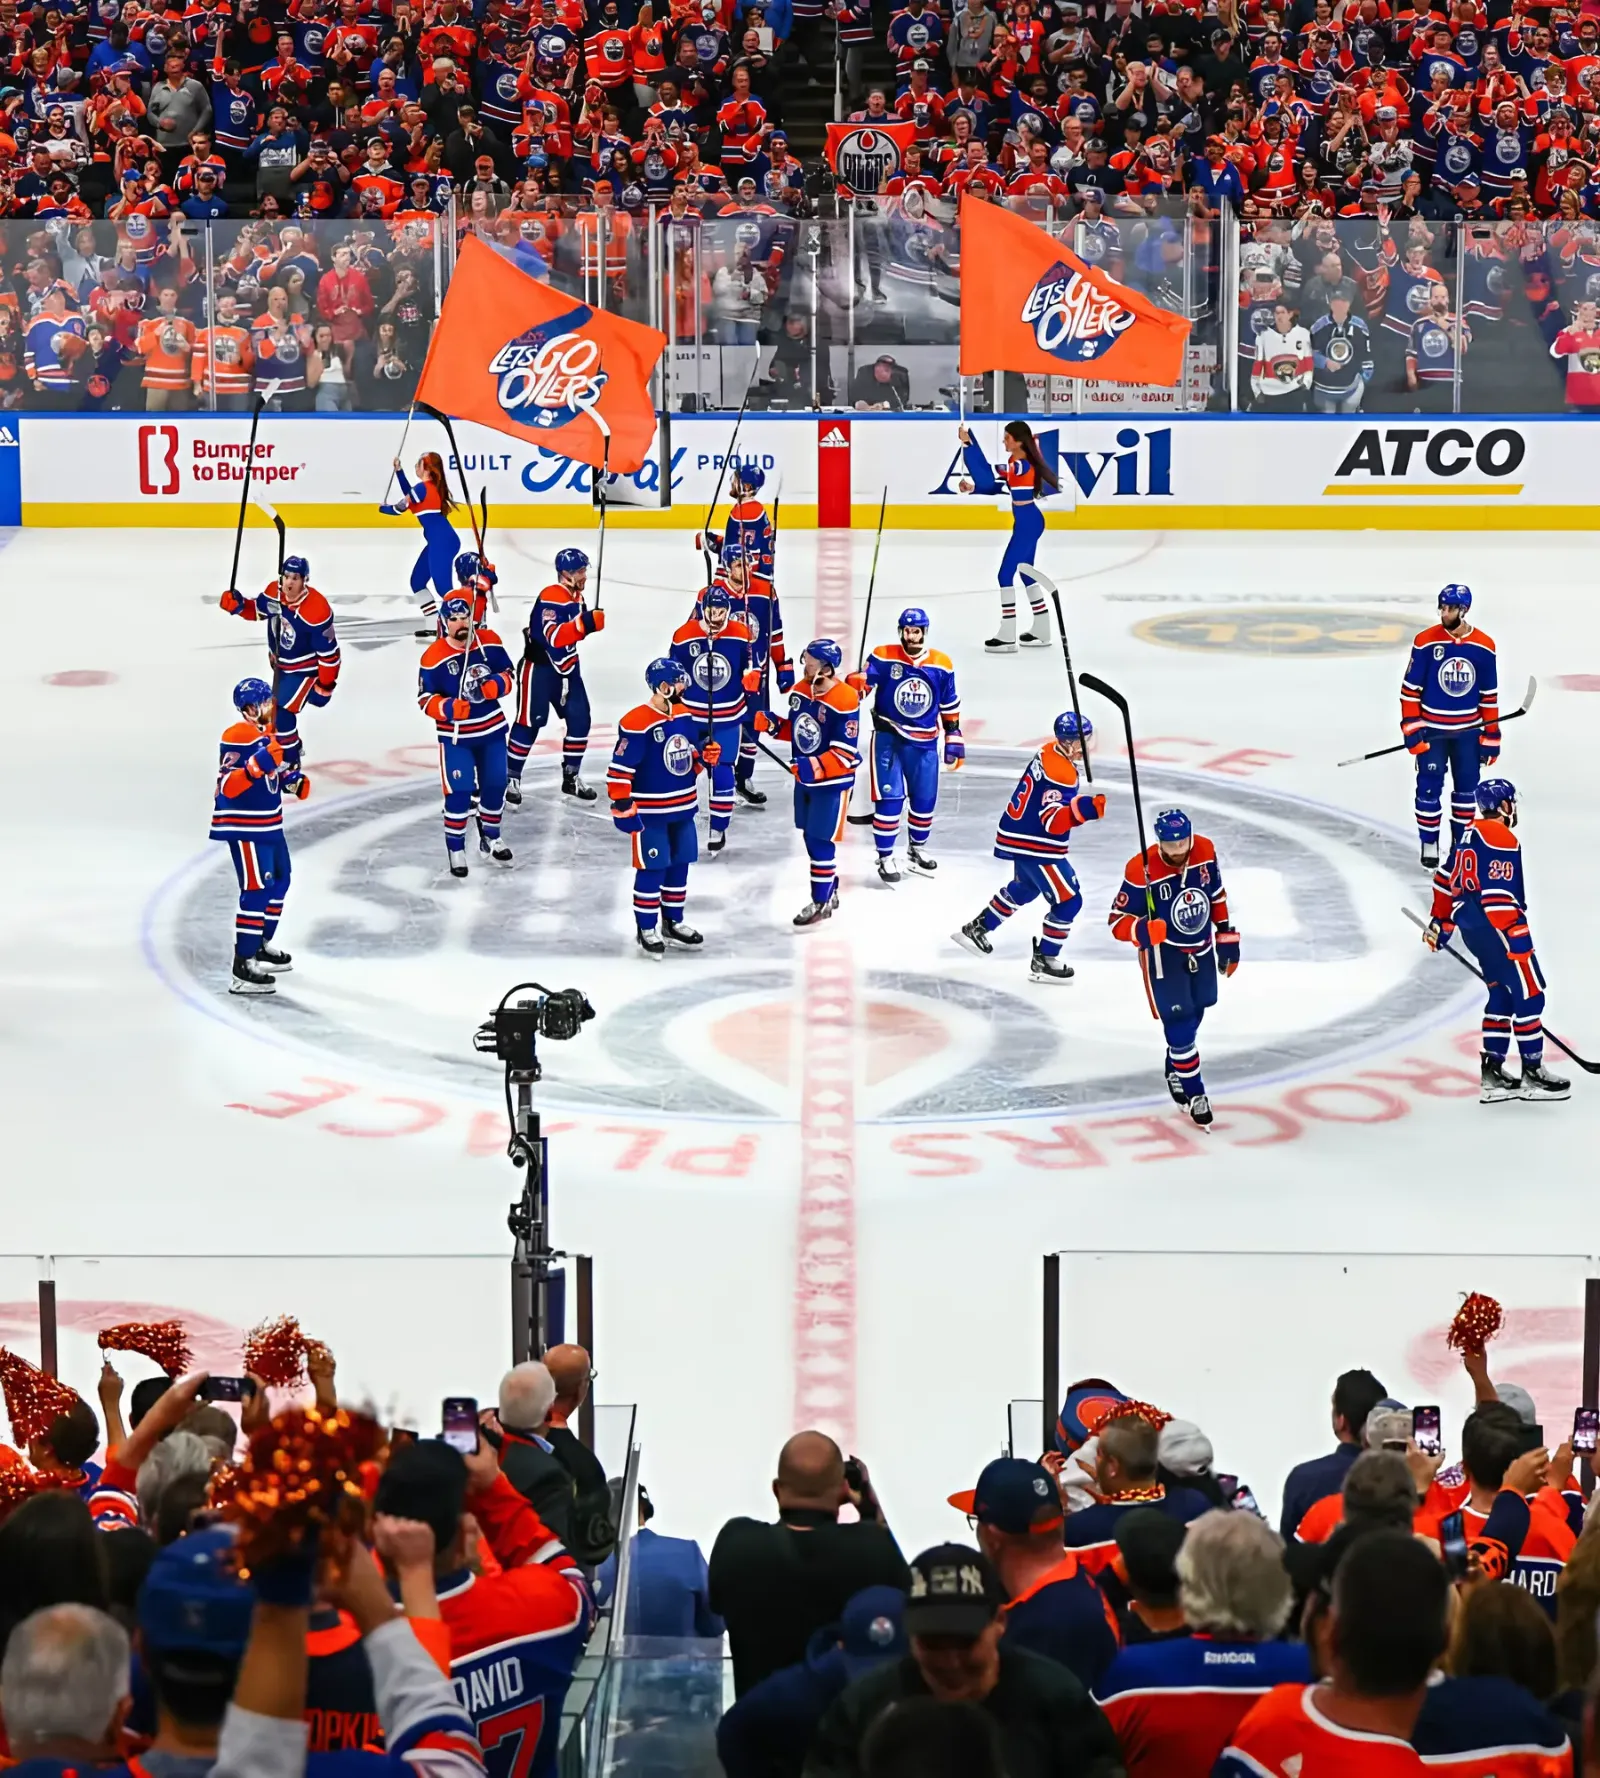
(593, 621)
(711, 753)
(1089, 808)
(297, 785)
(1437, 935)
(1227, 949)
(1415, 738)
(763, 722)
(751, 678)
(317, 696)
(457, 709)
(327, 677)
(857, 681)
(626, 818)
(1488, 751)
(1147, 934)
(231, 602)
(805, 769)
(261, 760)
(955, 749)
(786, 676)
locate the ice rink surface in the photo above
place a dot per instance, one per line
(817, 1170)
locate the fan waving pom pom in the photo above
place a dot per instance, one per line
(34, 1399)
(163, 1342)
(276, 1353)
(302, 1476)
(18, 1483)
(1477, 1322)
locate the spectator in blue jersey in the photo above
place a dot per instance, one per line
(1355, 1395)
(1175, 1703)
(669, 1585)
(1052, 1606)
(1125, 1479)
(767, 1732)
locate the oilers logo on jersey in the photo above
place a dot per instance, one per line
(806, 732)
(1456, 675)
(913, 697)
(710, 666)
(1191, 913)
(476, 674)
(677, 753)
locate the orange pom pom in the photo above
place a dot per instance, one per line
(1477, 1321)
(302, 1475)
(1124, 1410)
(163, 1342)
(34, 1399)
(19, 1483)
(276, 1353)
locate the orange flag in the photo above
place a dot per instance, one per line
(863, 155)
(515, 355)
(1027, 304)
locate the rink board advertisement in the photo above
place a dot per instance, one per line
(1137, 473)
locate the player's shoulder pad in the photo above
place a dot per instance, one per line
(738, 629)
(1133, 870)
(888, 651)
(1433, 633)
(1497, 833)
(841, 696)
(691, 631)
(238, 734)
(437, 651)
(1056, 766)
(553, 595)
(1202, 851)
(640, 718)
(1482, 638)
(936, 657)
(481, 635)
(314, 608)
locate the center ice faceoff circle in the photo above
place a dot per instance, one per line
(395, 963)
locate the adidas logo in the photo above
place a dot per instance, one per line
(833, 440)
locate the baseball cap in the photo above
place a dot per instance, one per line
(1469, 179)
(1184, 1449)
(923, 65)
(871, 1629)
(778, 136)
(193, 1600)
(954, 1592)
(1517, 1398)
(1013, 1495)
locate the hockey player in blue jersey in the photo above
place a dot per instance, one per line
(913, 692)
(1480, 892)
(464, 675)
(1028, 479)
(550, 677)
(660, 749)
(475, 578)
(823, 729)
(247, 812)
(1032, 836)
(714, 651)
(1173, 907)
(1450, 716)
(755, 604)
(301, 645)
(749, 527)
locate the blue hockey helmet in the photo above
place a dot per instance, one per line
(469, 565)
(749, 477)
(569, 561)
(1070, 726)
(1492, 792)
(826, 650)
(732, 551)
(663, 673)
(1456, 594)
(914, 617)
(297, 565)
(250, 694)
(716, 598)
(1173, 826)
(455, 606)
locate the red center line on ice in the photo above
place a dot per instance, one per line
(825, 1238)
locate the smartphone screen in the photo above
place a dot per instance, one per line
(459, 1424)
(1425, 1430)
(1453, 1544)
(227, 1389)
(1586, 1429)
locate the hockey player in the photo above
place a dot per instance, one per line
(1481, 892)
(654, 801)
(474, 577)
(755, 605)
(1033, 835)
(301, 645)
(550, 677)
(1028, 480)
(1450, 715)
(749, 526)
(823, 729)
(714, 652)
(430, 500)
(247, 812)
(464, 675)
(913, 688)
(1182, 944)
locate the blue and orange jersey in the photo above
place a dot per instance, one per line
(1064, 1616)
(825, 727)
(1022, 481)
(716, 663)
(757, 608)
(248, 801)
(1044, 808)
(749, 529)
(654, 762)
(1485, 1726)
(1451, 683)
(488, 673)
(300, 638)
(558, 622)
(1546, 1544)
(1286, 1732)
(1192, 901)
(913, 694)
(1092, 1531)
(1481, 881)
(1175, 1705)
(424, 500)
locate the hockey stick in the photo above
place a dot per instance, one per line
(1566, 1048)
(1039, 578)
(866, 626)
(483, 508)
(788, 765)
(1112, 695)
(263, 396)
(592, 409)
(405, 433)
(1405, 746)
(722, 473)
(271, 513)
(461, 470)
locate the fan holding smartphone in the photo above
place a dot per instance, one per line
(459, 1424)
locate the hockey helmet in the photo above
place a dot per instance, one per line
(1172, 826)
(469, 566)
(1070, 726)
(663, 673)
(297, 565)
(455, 606)
(914, 618)
(750, 478)
(716, 598)
(570, 561)
(251, 694)
(826, 650)
(1492, 792)
(1456, 594)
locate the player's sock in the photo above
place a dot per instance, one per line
(1054, 935)
(1529, 1034)
(1001, 907)
(1497, 1035)
(572, 752)
(885, 831)
(269, 925)
(919, 828)
(246, 935)
(824, 881)
(1185, 1063)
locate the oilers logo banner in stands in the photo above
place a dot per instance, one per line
(863, 155)
(519, 357)
(1027, 304)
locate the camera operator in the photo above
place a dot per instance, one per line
(773, 1585)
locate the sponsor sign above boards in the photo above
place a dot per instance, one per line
(1117, 471)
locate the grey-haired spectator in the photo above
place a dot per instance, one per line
(64, 1687)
